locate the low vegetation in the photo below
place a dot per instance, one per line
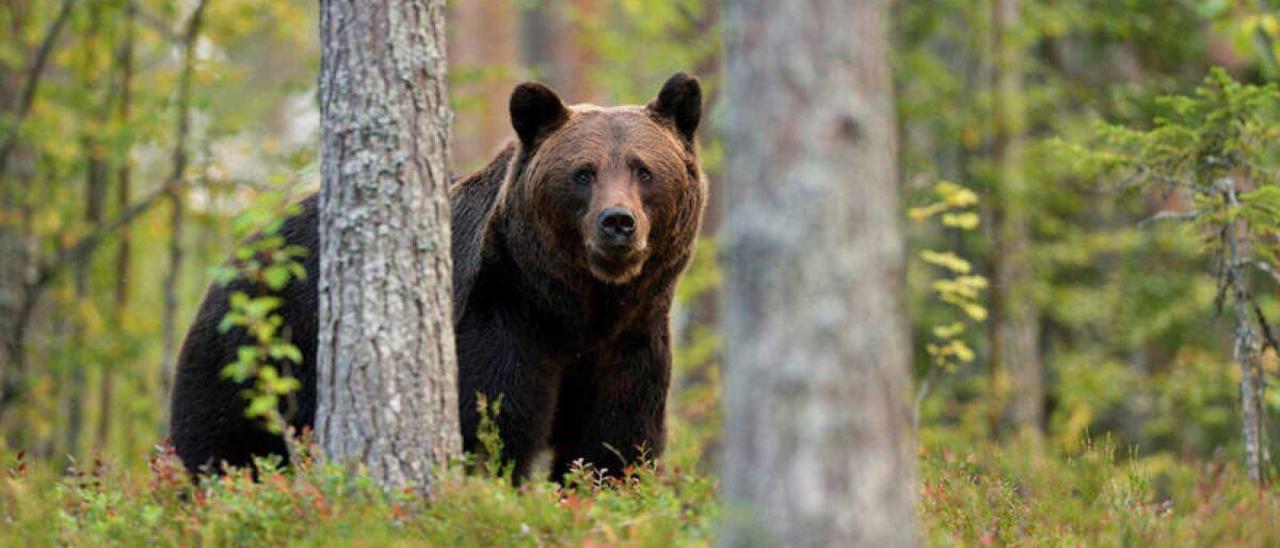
(970, 494)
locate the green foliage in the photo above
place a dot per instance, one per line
(1217, 148)
(313, 503)
(1092, 496)
(261, 268)
(1225, 135)
(489, 459)
(959, 288)
(678, 35)
(695, 417)
(970, 493)
(1125, 311)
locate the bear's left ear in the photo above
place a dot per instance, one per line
(536, 111)
(680, 102)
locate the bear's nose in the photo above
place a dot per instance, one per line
(618, 223)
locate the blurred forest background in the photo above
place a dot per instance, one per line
(141, 139)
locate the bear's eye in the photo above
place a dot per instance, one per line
(644, 175)
(584, 176)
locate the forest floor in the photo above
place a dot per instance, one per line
(986, 494)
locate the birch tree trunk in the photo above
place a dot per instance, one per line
(1017, 374)
(817, 448)
(387, 370)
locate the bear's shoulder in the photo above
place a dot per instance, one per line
(473, 200)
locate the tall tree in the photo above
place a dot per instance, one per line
(816, 348)
(387, 368)
(76, 387)
(484, 53)
(124, 188)
(555, 46)
(173, 190)
(1015, 353)
(18, 90)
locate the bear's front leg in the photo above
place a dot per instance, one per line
(490, 366)
(611, 411)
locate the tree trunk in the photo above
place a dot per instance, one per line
(76, 389)
(387, 369)
(1017, 376)
(124, 182)
(177, 175)
(554, 46)
(1246, 351)
(13, 248)
(17, 249)
(486, 44)
(169, 314)
(817, 448)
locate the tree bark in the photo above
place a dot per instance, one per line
(387, 368)
(1247, 342)
(817, 438)
(1017, 375)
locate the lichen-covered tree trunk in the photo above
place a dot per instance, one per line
(1015, 353)
(817, 436)
(1247, 348)
(387, 375)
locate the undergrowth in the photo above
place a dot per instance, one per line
(1021, 493)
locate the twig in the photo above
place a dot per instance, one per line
(925, 386)
(1264, 267)
(155, 23)
(1270, 339)
(1170, 216)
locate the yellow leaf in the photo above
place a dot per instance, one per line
(946, 259)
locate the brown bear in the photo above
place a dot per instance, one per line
(566, 247)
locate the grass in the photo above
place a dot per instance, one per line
(1098, 496)
(970, 494)
(323, 505)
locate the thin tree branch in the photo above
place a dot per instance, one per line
(87, 244)
(34, 74)
(1269, 338)
(1264, 267)
(49, 270)
(1170, 216)
(154, 23)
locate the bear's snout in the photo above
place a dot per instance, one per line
(617, 243)
(617, 225)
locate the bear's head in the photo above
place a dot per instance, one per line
(608, 193)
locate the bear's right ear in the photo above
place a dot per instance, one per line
(536, 111)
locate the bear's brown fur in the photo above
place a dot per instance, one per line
(566, 248)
